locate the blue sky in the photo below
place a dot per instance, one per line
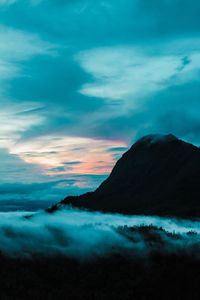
(81, 80)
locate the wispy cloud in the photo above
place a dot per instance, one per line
(60, 154)
(23, 183)
(16, 119)
(17, 46)
(129, 74)
(7, 2)
(10, 2)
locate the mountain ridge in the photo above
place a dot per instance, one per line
(158, 175)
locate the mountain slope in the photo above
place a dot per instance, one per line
(157, 175)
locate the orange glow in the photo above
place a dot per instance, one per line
(69, 155)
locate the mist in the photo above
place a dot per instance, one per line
(87, 235)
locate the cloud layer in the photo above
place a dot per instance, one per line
(83, 235)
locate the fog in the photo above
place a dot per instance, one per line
(85, 235)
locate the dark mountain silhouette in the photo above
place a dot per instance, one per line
(158, 175)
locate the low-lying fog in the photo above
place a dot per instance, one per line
(83, 234)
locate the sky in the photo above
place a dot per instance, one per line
(81, 80)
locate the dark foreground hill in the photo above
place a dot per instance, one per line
(158, 175)
(161, 274)
(117, 278)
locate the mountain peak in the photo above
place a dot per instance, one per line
(156, 138)
(161, 142)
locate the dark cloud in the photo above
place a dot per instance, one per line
(73, 163)
(117, 149)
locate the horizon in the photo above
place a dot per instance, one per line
(81, 81)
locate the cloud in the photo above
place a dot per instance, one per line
(60, 154)
(11, 2)
(27, 186)
(27, 45)
(73, 163)
(84, 235)
(36, 195)
(17, 116)
(14, 169)
(130, 74)
(16, 119)
(12, 52)
(40, 195)
(7, 2)
(23, 183)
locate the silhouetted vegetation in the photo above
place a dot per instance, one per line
(161, 275)
(117, 277)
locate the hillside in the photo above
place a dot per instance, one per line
(158, 175)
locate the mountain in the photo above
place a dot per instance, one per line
(158, 175)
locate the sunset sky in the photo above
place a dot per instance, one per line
(81, 80)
